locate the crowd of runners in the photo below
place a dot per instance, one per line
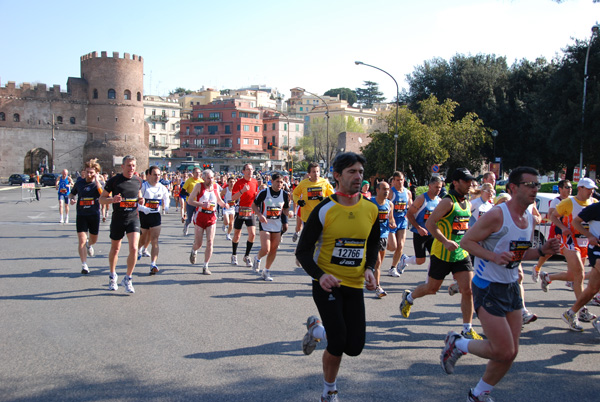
(344, 230)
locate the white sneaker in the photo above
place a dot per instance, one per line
(528, 317)
(393, 272)
(234, 260)
(266, 275)
(127, 284)
(402, 264)
(295, 237)
(66, 220)
(256, 264)
(228, 236)
(224, 228)
(145, 253)
(112, 282)
(247, 260)
(585, 315)
(62, 220)
(453, 289)
(85, 269)
(535, 275)
(193, 257)
(90, 251)
(571, 319)
(206, 271)
(379, 292)
(185, 229)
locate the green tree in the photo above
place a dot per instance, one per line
(369, 95)
(180, 91)
(318, 134)
(344, 93)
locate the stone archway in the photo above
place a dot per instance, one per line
(37, 159)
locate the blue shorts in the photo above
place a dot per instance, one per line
(401, 224)
(64, 197)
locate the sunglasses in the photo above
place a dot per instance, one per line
(531, 184)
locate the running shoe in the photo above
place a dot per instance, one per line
(332, 396)
(104, 219)
(248, 260)
(596, 325)
(90, 249)
(585, 315)
(206, 271)
(224, 228)
(85, 269)
(67, 219)
(112, 282)
(228, 236)
(535, 275)
(471, 334)
(483, 397)
(528, 317)
(153, 269)
(405, 306)
(139, 255)
(402, 264)
(545, 280)
(309, 342)
(453, 289)
(126, 282)
(255, 264)
(393, 272)
(379, 292)
(294, 237)
(266, 275)
(193, 257)
(185, 229)
(234, 260)
(571, 319)
(61, 220)
(595, 300)
(450, 353)
(569, 284)
(145, 253)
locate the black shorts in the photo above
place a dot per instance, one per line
(343, 315)
(151, 220)
(119, 227)
(593, 255)
(498, 298)
(382, 243)
(88, 223)
(239, 222)
(422, 244)
(439, 269)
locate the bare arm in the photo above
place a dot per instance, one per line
(411, 214)
(438, 213)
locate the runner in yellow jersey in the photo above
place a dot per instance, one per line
(448, 223)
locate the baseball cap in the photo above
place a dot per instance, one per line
(587, 183)
(462, 174)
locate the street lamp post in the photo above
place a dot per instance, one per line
(494, 135)
(595, 29)
(397, 106)
(51, 167)
(327, 129)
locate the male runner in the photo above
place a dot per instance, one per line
(229, 210)
(499, 241)
(402, 200)
(386, 221)
(309, 193)
(156, 197)
(63, 185)
(168, 185)
(87, 189)
(244, 191)
(123, 191)
(448, 224)
(574, 245)
(418, 213)
(187, 188)
(345, 226)
(271, 206)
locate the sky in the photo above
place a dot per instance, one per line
(279, 43)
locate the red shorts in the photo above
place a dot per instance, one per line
(574, 244)
(204, 220)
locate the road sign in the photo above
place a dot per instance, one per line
(435, 168)
(576, 173)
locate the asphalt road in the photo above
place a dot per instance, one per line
(230, 336)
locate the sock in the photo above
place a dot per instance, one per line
(571, 312)
(248, 247)
(319, 332)
(234, 247)
(411, 260)
(463, 344)
(537, 269)
(482, 387)
(467, 326)
(112, 275)
(206, 265)
(410, 299)
(328, 387)
(194, 251)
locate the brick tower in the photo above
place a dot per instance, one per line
(115, 114)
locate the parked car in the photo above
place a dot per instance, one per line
(18, 178)
(542, 203)
(49, 179)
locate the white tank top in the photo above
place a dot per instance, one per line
(509, 238)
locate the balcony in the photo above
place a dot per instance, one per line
(156, 117)
(158, 145)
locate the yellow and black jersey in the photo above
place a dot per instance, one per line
(340, 240)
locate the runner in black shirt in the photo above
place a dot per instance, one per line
(126, 195)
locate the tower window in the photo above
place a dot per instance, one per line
(72, 120)
(112, 94)
(139, 97)
(59, 119)
(95, 93)
(127, 94)
(2, 116)
(16, 118)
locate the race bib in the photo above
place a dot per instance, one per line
(399, 206)
(63, 190)
(152, 204)
(314, 193)
(273, 212)
(86, 202)
(383, 216)
(128, 203)
(348, 252)
(426, 215)
(245, 212)
(460, 225)
(517, 248)
(209, 209)
(230, 204)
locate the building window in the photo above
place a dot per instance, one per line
(164, 126)
(361, 120)
(153, 112)
(172, 127)
(213, 129)
(72, 120)
(227, 129)
(112, 94)
(257, 129)
(200, 154)
(188, 154)
(2, 116)
(213, 141)
(284, 126)
(215, 115)
(370, 121)
(238, 127)
(256, 142)
(246, 141)
(273, 139)
(198, 130)
(16, 118)
(153, 126)
(264, 140)
(139, 97)
(127, 94)
(95, 93)
(246, 127)
(301, 108)
(238, 140)
(59, 119)
(297, 127)
(164, 113)
(200, 115)
(273, 127)
(232, 114)
(187, 131)
(265, 127)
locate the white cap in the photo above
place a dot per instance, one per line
(587, 183)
